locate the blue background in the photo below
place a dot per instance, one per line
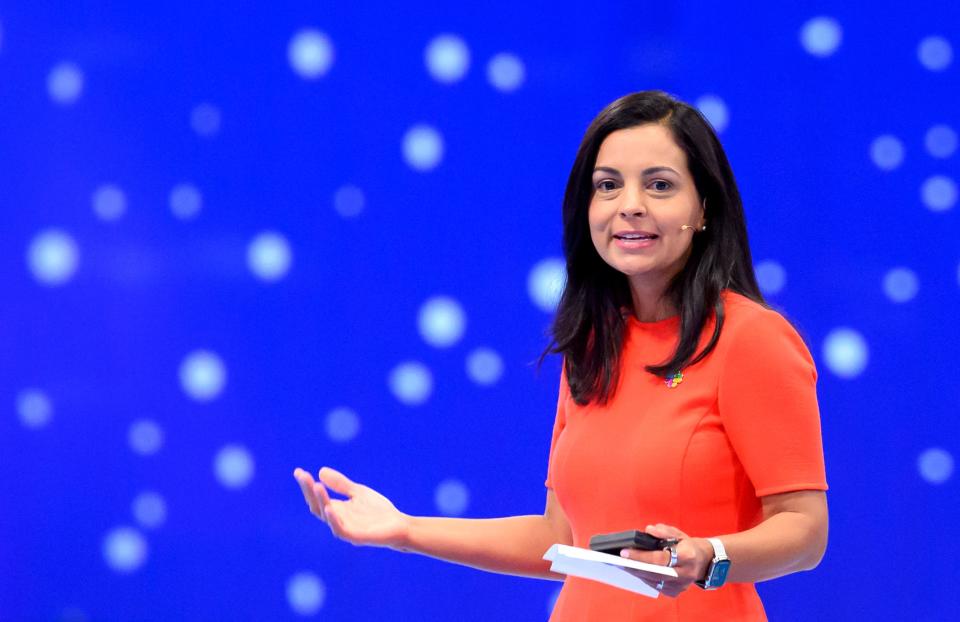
(104, 347)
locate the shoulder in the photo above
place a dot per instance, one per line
(752, 327)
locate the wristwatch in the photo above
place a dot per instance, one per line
(717, 571)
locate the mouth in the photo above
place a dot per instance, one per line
(636, 236)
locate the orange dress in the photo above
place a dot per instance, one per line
(743, 423)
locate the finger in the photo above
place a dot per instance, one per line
(665, 531)
(334, 519)
(323, 497)
(647, 557)
(307, 488)
(337, 481)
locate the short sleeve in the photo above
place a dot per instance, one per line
(767, 400)
(558, 424)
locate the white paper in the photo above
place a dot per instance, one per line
(604, 568)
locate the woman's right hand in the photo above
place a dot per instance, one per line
(365, 518)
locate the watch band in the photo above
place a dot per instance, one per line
(719, 552)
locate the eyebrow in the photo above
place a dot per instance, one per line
(646, 171)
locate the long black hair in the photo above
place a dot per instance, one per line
(588, 328)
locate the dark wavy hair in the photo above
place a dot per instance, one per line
(588, 328)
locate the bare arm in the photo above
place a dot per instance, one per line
(512, 545)
(791, 537)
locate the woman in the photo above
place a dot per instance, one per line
(687, 407)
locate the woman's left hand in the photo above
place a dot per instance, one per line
(693, 557)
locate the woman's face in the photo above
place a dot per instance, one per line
(643, 193)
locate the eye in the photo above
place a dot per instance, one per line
(661, 185)
(606, 185)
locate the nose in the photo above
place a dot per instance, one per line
(633, 204)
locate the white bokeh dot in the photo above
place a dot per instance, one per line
(940, 141)
(310, 53)
(939, 193)
(305, 593)
(411, 383)
(269, 256)
(900, 284)
(422, 147)
(185, 201)
(441, 321)
(53, 257)
(935, 465)
(149, 509)
(124, 549)
(349, 201)
(203, 375)
(233, 466)
(451, 497)
(145, 437)
(484, 366)
(770, 276)
(506, 72)
(545, 283)
(65, 83)
(447, 58)
(935, 53)
(821, 36)
(886, 151)
(109, 202)
(715, 110)
(342, 424)
(205, 120)
(845, 352)
(34, 408)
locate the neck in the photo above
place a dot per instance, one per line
(651, 304)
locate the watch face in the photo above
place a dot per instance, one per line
(718, 574)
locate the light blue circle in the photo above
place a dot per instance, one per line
(506, 72)
(715, 110)
(269, 256)
(451, 497)
(935, 53)
(441, 321)
(65, 83)
(484, 366)
(53, 257)
(205, 119)
(145, 437)
(233, 466)
(149, 509)
(940, 141)
(109, 202)
(447, 58)
(422, 147)
(349, 201)
(203, 375)
(34, 408)
(124, 549)
(821, 36)
(939, 193)
(935, 465)
(900, 284)
(770, 276)
(886, 151)
(545, 283)
(342, 425)
(306, 593)
(310, 53)
(411, 383)
(185, 201)
(845, 352)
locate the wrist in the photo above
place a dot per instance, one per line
(704, 557)
(404, 541)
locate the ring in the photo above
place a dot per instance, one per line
(672, 549)
(659, 586)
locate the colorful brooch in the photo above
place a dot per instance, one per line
(673, 380)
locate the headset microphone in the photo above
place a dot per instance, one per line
(685, 227)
